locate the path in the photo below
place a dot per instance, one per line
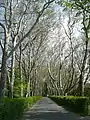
(46, 109)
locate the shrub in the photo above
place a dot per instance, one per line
(13, 108)
(74, 103)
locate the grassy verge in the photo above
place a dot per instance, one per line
(13, 108)
(73, 103)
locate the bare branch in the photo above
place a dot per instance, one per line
(26, 35)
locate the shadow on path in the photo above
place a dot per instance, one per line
(46, 109)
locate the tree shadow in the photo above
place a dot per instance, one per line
(51, 115)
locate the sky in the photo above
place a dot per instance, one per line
(1, 1)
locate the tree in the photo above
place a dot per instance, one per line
(13, 29)
(82, 8)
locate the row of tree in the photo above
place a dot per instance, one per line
(44, 46)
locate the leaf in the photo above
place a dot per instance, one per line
(66, 4)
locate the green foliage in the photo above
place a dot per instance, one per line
(17, 83)
(13, 108)
(76, 4)
(74, 103)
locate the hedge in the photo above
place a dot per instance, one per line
(73, 103)
(13, 108)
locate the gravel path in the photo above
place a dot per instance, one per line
(46, 109)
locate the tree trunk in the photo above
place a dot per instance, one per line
(20, 70)
(28, 87)
(3, 74)
(12, 74)
(86, 31)
(3, 66)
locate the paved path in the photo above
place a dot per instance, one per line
(46, 109)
